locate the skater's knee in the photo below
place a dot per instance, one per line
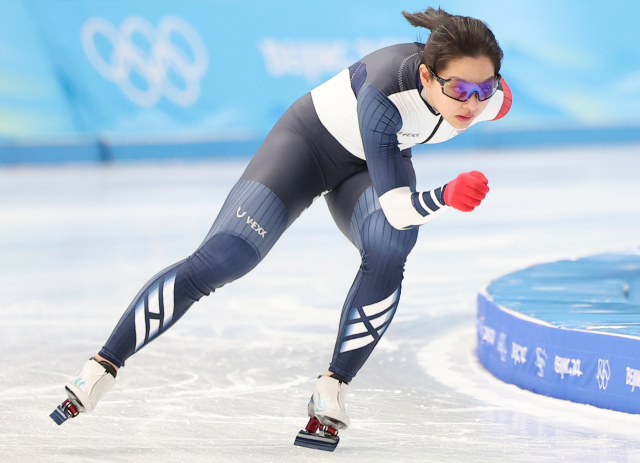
(383, 243)
(221, 260)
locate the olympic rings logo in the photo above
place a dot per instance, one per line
(154, 65)
(604, 373)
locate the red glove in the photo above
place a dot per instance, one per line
(466, 191)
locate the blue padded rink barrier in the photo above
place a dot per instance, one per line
(568, 329)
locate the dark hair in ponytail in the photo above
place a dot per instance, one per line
(454, 37)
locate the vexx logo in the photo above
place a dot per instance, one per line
(255, 225)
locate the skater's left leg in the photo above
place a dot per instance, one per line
(374, 296)
(375, 293)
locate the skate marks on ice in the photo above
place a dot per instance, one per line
(588, 433)
(231, 381)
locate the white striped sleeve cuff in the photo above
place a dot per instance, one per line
(405, 209)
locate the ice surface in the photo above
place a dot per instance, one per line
(231, 380)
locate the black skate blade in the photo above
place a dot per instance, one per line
(59, 416)
(315, 441)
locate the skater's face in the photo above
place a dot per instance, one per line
(460, 114)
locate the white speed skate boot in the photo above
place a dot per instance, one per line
(328, 401)
(327, 414)
(93, 382)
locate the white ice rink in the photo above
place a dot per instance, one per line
(231, 380)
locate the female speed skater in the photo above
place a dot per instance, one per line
(350, 140)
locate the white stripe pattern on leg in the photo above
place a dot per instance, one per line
(374, 313)
(141, 324)
(356, 328)
(357, 343)
(379, 321)
(167, 300)
(153, 303)
(371, 311)
(154, 307)
(154, 299)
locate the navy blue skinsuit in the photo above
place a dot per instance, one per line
(350, 140)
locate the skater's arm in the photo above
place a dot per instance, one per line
(380, 122)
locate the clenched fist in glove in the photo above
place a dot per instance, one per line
(466, 191)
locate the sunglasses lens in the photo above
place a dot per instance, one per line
(487, 89)
(462, 90)
(458, 89)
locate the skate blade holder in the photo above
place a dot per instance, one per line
(64, 411)
(317, 436)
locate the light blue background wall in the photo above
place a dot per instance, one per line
(213, 76)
